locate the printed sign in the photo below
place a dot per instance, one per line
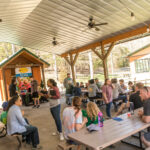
(23, 72)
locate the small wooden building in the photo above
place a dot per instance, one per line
(22, 60)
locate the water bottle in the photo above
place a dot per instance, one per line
(100, 119)
(132, 108)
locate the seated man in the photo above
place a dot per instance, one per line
(77, 90)
(3, 117)
(134, 98)
(145, 114)
(16, 124)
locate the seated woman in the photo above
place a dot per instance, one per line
(16, 124)
(92, 113)
(72, 119)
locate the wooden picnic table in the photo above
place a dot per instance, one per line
(112, 132)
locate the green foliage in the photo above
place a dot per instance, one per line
(119, 57)
(97, 63)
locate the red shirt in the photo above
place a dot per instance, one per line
(57, 96)
(24, 88)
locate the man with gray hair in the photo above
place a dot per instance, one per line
(145, 113)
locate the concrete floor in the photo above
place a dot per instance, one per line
(43, 120)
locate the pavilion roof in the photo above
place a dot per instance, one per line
(34, 23)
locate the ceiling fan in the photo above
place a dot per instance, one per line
(92, 25)
(56, 43)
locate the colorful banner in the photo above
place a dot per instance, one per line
(23, 72)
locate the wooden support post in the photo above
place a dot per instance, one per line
(72, 62)
(43, 75)
(72, 68)
(5, 86)
(105, 68)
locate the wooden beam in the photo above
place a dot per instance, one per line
(5, 86)
(75, 59)
(105, 68)
(102, 50)
(66, 58)
(72, 68)
(26, 65)
(109, 50)
(122, 36)
(43, 75)
(97, 53)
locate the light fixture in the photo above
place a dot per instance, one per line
(132, 16)
(129, 10)
(148, 29)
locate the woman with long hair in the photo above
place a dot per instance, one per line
(92, 113)
(107, 91)
(16, 124)
(72, 119)
(55, 107)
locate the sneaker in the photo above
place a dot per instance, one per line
(61, 136)
(34, 106)
(37, 106)
(54, 133)
(37, 147)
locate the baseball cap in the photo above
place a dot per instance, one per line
(5, 105)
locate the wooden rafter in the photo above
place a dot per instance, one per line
(67, 60)
(75, 58)
(97, 53)
(122, 36)
(109, 50)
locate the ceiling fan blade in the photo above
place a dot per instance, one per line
(85, 29)
(97, 29)
(100, 24)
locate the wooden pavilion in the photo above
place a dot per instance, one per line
(21, 59)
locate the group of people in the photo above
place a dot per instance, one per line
(111, 91)
(26, 89)
(74, 117)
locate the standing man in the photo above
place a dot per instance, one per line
(68, 84)
(145, 114)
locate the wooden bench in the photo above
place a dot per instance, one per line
(18, 139)
(65, 146)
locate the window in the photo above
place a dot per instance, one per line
(142, 65)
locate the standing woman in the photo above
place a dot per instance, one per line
(107, 91)
(12, 88)
(55, 107)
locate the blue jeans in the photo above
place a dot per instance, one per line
(55, 111)
(108, 109)
(69, 99)
(32, 135)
